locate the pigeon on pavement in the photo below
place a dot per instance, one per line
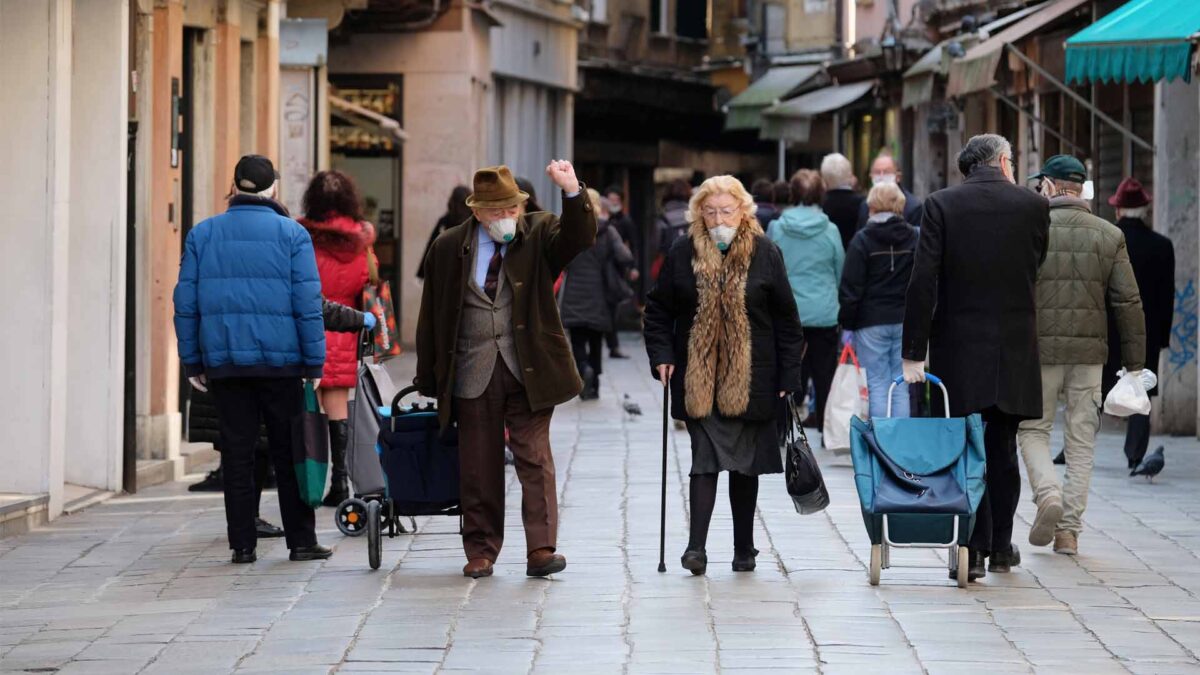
(1151, 465)
(631, 406)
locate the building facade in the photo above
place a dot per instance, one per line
(132, 116)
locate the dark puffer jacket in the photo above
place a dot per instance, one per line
(875, 277)
(588, 292)
(1086, 263)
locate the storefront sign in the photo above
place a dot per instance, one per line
(297, 131)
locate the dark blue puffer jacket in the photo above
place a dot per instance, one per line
(248, 302)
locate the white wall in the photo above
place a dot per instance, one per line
(34, 140)
(1176, 134)
(95, 359)
(24, 243)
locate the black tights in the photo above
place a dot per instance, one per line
(743, 498)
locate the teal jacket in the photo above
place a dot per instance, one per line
(812, 250)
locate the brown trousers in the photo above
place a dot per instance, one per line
(481, 424)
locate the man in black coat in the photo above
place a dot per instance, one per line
(971, 303)
(842, 202)
(1153, 258)
(884, 170)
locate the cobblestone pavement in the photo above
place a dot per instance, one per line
(143, 583)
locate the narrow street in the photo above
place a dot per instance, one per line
(143, 583)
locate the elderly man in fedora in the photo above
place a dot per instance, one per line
(491, 349)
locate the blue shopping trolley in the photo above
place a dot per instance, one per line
(919, 482)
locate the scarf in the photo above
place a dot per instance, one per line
(719, 344)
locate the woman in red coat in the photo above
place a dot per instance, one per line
(342, 240)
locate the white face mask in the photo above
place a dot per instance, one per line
(502, 231)
(1089, 191)
(883, 179)
(722, 236)
(614, 208)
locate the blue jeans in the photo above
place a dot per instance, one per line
(878, 349)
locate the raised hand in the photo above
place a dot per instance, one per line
(563, 175)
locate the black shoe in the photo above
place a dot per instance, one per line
(695, 561)
(1061, 457)
(976, 569)
(617, 354)
(339, 482)
(243, 556)
(1003, 561)
(267, 530)
(211, 483)
(743, 561)
(314, 552)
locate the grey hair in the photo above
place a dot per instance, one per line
(836, 171)
(983, 150)
(1138, 212)
(269, 193)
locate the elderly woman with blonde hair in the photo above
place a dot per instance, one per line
(722, 330)
(878, 265)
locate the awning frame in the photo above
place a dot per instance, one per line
(1045, 126)
(374, 122)
(1033, 65)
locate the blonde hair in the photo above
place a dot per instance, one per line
(594, 195)
(886, 198)
(721, 185)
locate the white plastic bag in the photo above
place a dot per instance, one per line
(1128, 396)
(847, 398)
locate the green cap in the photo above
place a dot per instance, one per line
(1063, 167)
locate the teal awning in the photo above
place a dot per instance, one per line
(1142, 41)
(744, 111)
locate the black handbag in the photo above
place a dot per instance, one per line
(802, 474)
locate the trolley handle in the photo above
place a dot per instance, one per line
(931, 378)
(412, 389)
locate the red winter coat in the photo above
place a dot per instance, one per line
(341, 247)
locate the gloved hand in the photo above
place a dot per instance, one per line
(914, 371)
(847, 337)
(369, 321)
(199, 383)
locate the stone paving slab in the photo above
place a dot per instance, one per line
(142, 583)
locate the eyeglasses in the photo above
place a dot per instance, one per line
(724, 213)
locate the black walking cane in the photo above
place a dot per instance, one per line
(662, 521)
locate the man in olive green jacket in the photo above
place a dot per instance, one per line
(1086, 264)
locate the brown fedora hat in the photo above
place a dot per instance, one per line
(495, 189)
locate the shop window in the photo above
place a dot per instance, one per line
(658, 17)
(691, 19)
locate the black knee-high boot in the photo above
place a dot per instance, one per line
(339, 482)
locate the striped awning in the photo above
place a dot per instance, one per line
(1142, 41)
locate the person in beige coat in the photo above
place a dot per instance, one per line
(1086, 264)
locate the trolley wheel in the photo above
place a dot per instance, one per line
(374, 535)
(876, 563)
(963, 566)
(351, 517)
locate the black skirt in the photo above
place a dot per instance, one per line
(749, 447)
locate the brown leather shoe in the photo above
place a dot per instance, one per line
(544, 562)
(477, 568)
